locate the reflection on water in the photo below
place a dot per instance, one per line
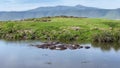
(107, 46)
(21, 55)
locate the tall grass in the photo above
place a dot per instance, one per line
(107, 36)
(65, 29)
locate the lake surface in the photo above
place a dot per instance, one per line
(21, 55)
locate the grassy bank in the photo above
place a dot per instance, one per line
(64, 29)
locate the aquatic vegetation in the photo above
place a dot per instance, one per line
(107, 36)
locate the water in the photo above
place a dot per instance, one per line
(21, 55)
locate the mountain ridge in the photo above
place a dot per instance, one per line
(78, 11)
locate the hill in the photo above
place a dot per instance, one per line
(78, 11)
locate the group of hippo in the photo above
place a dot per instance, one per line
(59, 46)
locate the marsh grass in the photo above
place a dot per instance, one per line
(65, 29)
(107, 37)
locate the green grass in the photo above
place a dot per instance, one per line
(61, 29)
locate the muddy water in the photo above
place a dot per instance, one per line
(21, 55)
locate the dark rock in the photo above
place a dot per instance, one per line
(81, 47)
(87, 47)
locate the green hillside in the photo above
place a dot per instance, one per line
(63, 29)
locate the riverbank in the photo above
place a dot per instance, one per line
(62, 29)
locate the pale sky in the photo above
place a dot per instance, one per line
(20, 5)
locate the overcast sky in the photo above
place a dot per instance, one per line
(20, 5)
